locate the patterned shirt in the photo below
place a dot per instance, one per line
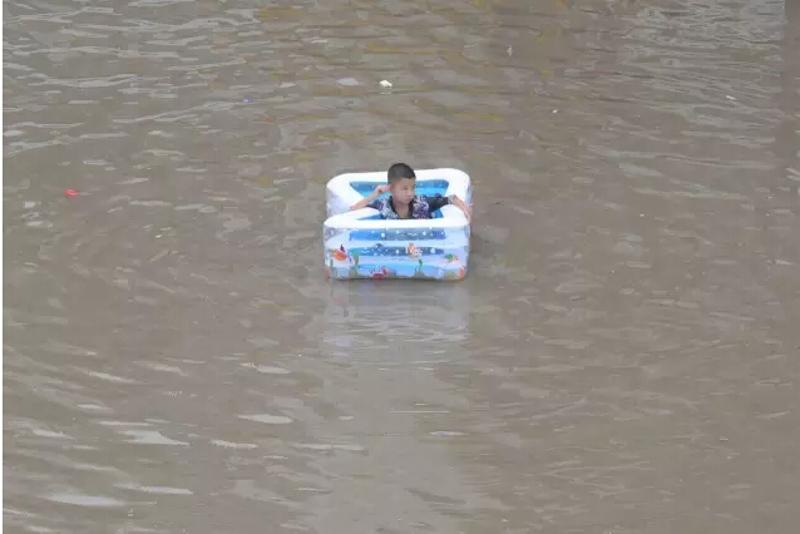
(421, 207)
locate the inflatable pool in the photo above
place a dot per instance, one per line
(362, 244)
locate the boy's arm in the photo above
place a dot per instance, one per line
(461, 205)
(363, 202)
(372, 196)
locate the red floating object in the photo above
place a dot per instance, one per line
(69, 193)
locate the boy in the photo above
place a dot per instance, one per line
(403, 203)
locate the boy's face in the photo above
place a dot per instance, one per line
(403, 190)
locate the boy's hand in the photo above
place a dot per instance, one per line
(463, 206)
(380, 189)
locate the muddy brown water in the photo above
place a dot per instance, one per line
(623, 356)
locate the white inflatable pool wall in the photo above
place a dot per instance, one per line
(360, 245)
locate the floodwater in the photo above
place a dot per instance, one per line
(624, 355)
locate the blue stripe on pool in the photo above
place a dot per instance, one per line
(396, 235)
(392, 251)
(378, 217)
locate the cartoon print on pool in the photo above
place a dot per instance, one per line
(383, 273)
(340, 254)
(413, 251)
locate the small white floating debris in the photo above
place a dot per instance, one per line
(347, 82)
(386, 84)
(555, 111)
(510, 50)
(729, 97)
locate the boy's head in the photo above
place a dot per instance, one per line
(402, 182)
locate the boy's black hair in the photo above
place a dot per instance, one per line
(398, 171)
